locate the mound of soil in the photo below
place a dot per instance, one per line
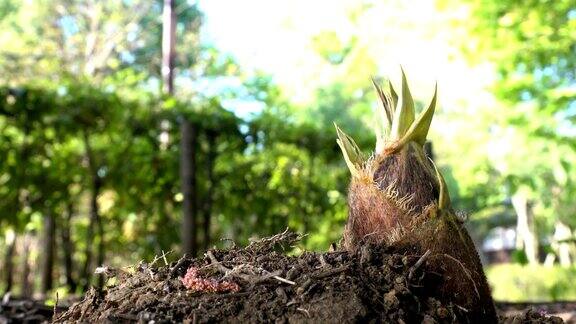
(25, 311)
(261, 283)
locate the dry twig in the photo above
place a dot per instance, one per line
(178, 264)
(252, 278)
(303, 310)
(418, 264)
(159, 257)
(267, 244)
(55, 307)
(330, 272)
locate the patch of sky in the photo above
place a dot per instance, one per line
(62, 91)
(243, 108)
(69, 25)
(127, 57)
(233, 95)
(565, 118)
(526, 95)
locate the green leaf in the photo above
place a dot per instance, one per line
(352, 154)
(444, 196)
(385, 103)
(419, 130)
(404, 114)
(393, 94)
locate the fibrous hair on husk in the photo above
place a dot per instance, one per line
(397, 197)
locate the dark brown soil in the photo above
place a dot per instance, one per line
(370, 285)
(25, 311)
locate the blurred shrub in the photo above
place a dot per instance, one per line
(519, 256)
(518, 283)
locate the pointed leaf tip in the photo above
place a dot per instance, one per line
(351, 152)
(419, 129)
(393, 94)
(404, 114)
(444, 196)
(385, 104)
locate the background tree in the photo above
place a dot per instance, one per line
(531, 46)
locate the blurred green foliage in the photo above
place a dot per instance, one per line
(517, 283)
(531, 44)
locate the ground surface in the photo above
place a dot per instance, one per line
(260, 283)
(564, 310)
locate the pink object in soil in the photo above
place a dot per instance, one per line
(194, 282)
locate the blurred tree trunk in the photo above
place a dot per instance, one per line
(67, 247)
(26, 284)
(562, 233)
(189, 142)
(94, 222)
(24, 199)
(100, 255)
(9, 260)
(168, 46)
(525, 233)
(189, 134)
(210, 165)
(93, 226)
(48, 247)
